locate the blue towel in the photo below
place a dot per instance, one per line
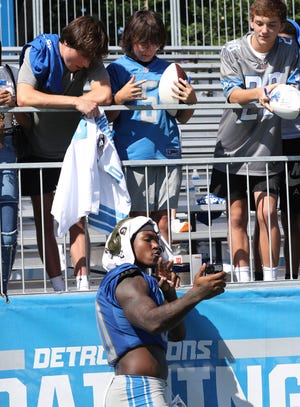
(46, 62)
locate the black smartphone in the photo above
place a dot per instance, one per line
(213, 268)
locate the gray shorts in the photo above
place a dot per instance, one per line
(154, 184)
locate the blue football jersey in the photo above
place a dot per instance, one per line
(117, 334)
(143, 134)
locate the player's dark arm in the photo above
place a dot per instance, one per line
(177, 333)
(141, 310)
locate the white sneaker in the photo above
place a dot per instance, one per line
(82, 283)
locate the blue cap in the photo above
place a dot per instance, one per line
(297, 27)
(202, 216)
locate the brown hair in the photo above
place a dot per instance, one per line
(145, 27)
(269, 8)
(87, 35)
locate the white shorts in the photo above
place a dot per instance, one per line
(138, 391)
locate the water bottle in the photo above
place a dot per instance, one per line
(3, 84)
(196, 180)
(3, 78)
(195, 175)
(192, 192)
(192, 184)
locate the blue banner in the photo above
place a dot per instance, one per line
(242, 349)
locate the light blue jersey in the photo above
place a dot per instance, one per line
(143, 134)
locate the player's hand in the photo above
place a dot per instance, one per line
(168, 280)
(184, 92)
(210, 285)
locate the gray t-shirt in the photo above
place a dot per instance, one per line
(52, 132)
(253, 132)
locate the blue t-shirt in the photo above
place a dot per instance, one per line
(143, 134)
(117, 334)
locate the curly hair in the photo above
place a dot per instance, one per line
(145, 27)
(87, 35)
(269, 8)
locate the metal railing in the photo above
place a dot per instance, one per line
(30, 276)
(216, 235)
(188, 22)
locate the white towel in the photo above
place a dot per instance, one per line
(91, 180)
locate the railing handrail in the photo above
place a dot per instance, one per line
(165, 106)
(166, 162)
(117, 49)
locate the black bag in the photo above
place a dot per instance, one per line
(20, 141)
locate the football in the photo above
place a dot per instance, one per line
(172, 73)
(285, 101)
